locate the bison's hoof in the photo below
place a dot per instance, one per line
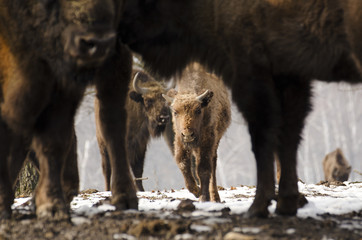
(196, 191)
(52, 211)
(5, 215)
(204, 198)
(257, 212)
(302, 200)
(287, 206)
(125, 201)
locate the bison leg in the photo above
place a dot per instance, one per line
(106, 165)
(205, 170)
(136, 155)
(258, 103)
(6, 190)
(70, 175)
(52, 141)
(183, 160)
(295, 103)
(214, 193)
(111, 86)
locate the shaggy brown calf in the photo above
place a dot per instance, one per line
(50, 52)
(200, 115)
(148, 116)
(267, 51)
(336, 167)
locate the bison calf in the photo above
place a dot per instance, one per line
(336, 167)
(148, 116)
(200, 115)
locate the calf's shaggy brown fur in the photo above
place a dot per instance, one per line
(200, 115)
(268, 52)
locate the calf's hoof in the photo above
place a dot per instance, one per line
(56, 211)
(196, 191)
(125, 201)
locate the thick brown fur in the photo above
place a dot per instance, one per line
(268, 52)
(336, 167)
(198, 127)
(50, 52)
(148, 116)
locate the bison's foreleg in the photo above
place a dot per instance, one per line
(258, 103)
(205, 157)
(111, 86)
(70, 175)
(183, 160)
(52, 141)
(136, 151)
(295, 103)
(6, 191)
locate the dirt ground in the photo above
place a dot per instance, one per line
(181, 224)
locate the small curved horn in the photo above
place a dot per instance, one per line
(171, 84)
(168, 98)
(137, 88)
(202, 96)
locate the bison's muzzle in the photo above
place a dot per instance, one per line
(88, 49)
(188, 136)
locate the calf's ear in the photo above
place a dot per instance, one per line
(207, 99)
(137, 97)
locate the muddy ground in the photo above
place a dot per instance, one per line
(180, 224)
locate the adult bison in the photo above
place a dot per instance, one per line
(148, 116)
(200, 115)
(336, 167)
(50, 52)
(267, 51)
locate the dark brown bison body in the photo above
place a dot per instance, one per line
(148, 116)
(50, 52)
(267, 51)
(336, 167)
(200, 115)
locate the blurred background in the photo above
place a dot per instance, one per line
(335, 122)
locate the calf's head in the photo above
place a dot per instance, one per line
(188, 114)
(148, 92)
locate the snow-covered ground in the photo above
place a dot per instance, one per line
(322, 199)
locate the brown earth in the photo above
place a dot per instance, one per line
(180, 224)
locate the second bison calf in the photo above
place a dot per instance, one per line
(200, 114)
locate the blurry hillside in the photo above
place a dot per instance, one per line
(336, 121)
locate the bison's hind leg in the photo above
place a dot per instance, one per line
(214, 194)
(295, 102)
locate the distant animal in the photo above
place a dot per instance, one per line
(50, 51)
(200, 115)
(148, 116)
(268, 52)
(336, 167)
